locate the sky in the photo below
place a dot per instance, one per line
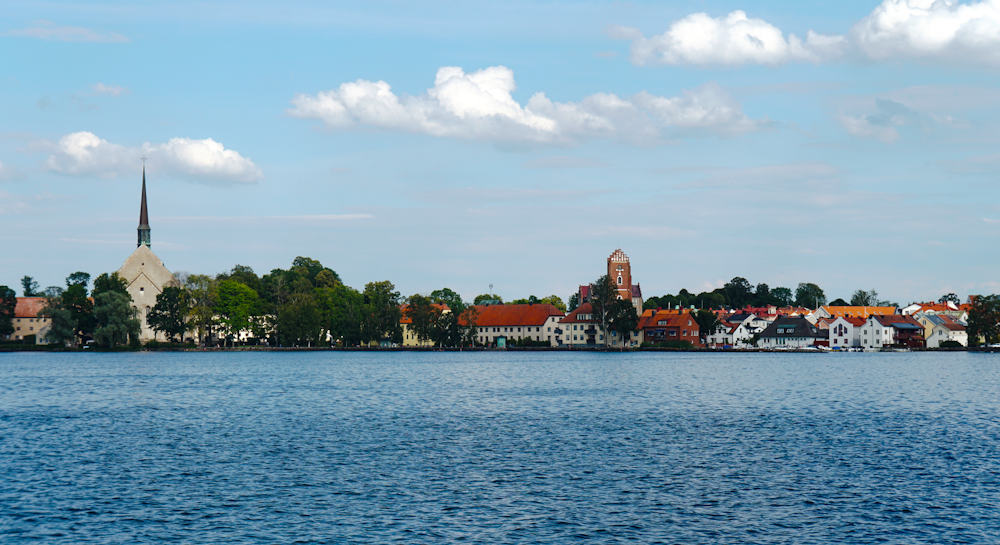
(461, 144)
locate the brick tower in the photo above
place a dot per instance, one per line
(620, 272)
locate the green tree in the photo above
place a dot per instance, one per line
(383, 313)
(839, 303)
(62, 325)
(783, 296)
(77, 302)
(299, 321)
(603, 294)
(809, 296)
(326, 279)
(862, 298)
(984, 320)
(244, 275)
(424, 317)
(342, 311)
(707, 322)
(170, 313)
(739, 291)
(29, 287)
(622, 319)
(115, 319)
(78, 278)
(202, 293)
(574, 301)
(237, 306)
(950, 298)
(52, 291)
(8, 305)
(446, 296)
(555, 301)
(110, 282)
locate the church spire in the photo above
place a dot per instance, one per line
(143, 215)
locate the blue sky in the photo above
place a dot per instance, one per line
(461, 144)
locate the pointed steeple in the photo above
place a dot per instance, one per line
(143, 214)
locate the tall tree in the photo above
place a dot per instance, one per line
(78, 278)
(424, 317)
(738, 292)
(622, 319)
(202, 293)
(299, 321)
(8, 304)
(170, 313)
(574, 301)
(482, 298)
(115, 319)
(862, 298)
(383, 314)
(62, 325)
(29, 287)
(237, 306)
(809, 295)
(984, 320)
(77, 302)
(783, 296)
(110, 282)
(603, 294)
(446, 296)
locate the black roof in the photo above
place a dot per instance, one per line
(793, 326)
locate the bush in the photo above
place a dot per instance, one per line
(950, 344)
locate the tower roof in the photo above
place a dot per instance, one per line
(143, 214)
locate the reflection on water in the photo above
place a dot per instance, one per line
(499, 448)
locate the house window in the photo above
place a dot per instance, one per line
(673, 333)
(619, 281)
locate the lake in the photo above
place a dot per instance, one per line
(494, 447)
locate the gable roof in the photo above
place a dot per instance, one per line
(863, 312)
(792, 326)
(673, 318)
(507, 315)
(29, 307)
(897, 320)
(573, 316)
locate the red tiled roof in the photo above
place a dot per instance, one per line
(651, 318)
(895, 319)
(29, 307)
(861, 311)
(507, 315)
(953, 326)
(406, 320)
(585, 308)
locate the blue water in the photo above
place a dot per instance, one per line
(499, 448)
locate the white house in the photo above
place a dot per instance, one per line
(729, 334)
(881, 331)
(845, 332)
(791, 332)
(947, 332)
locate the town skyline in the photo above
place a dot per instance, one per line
(848, 158)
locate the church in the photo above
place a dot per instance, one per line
(145, 274)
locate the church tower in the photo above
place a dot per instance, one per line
(143, 214)
(620, 273)
(144, 274)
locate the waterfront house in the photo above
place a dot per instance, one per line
(661, 325)
(845, 332)
(28, 320)
(791, 332)
(506, 324)
(895, 330)
(409, 335)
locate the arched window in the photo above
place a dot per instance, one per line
(145, 317)
(619, 280)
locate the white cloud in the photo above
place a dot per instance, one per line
(112, 90)
(926, 30)
(861, 127)
(7, 173)
(731, 40)
(479, 106)
(47, 30)
(84, 153)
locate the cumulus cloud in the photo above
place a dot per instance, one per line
(47, 30)
(731, 40)
(926, 30)
(84, 153)
(479, 106)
